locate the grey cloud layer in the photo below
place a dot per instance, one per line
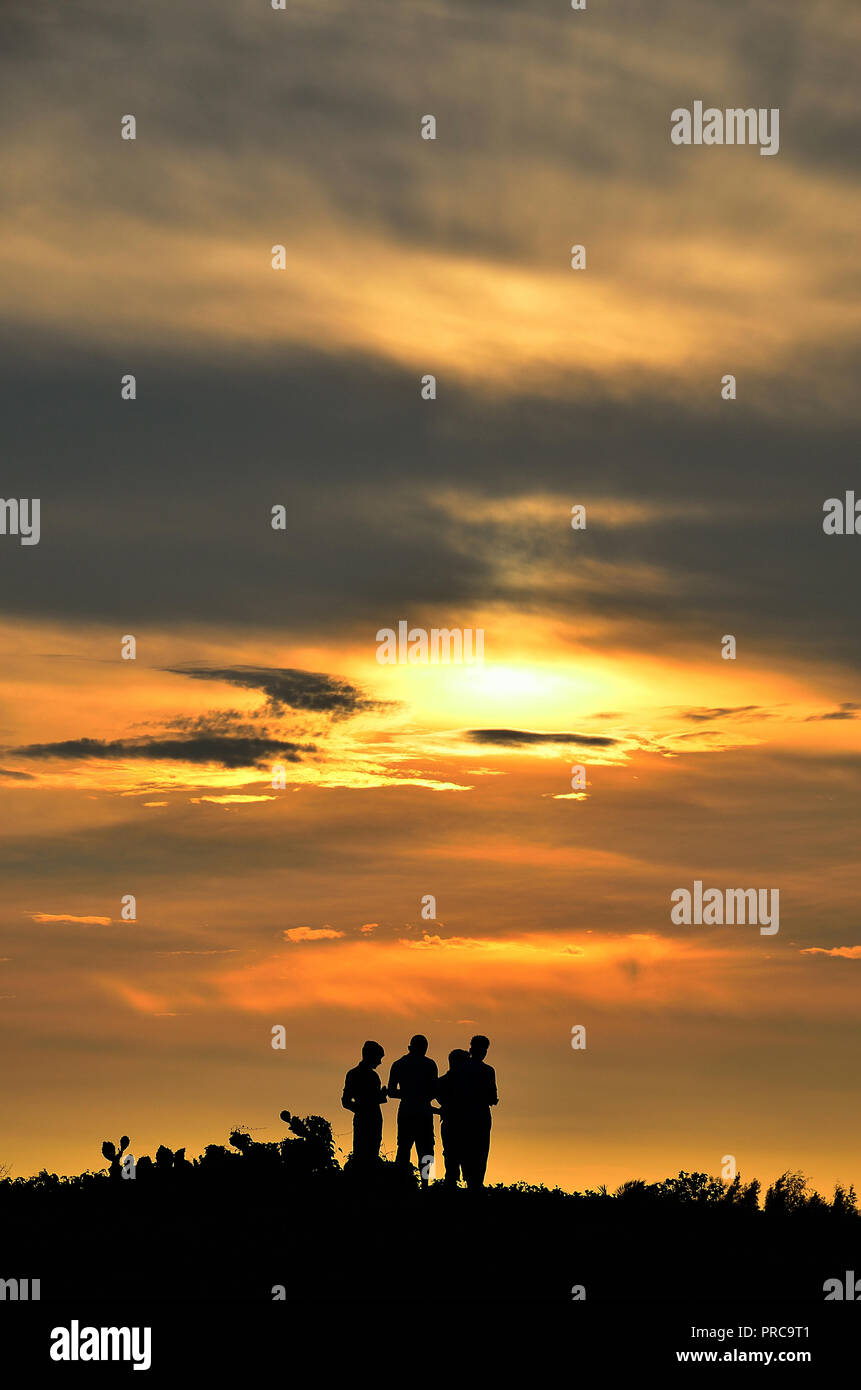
(143, 537)
(263, 123)
(326, 98)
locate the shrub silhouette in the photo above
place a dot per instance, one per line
(844, 1201)
(789, 1194)
(314, 1156)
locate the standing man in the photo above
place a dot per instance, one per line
(413, 1081)
(365, 1095)
(481, 1095)
(453, 1095)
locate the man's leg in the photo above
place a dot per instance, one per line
(425, 1147)
(481, 1151)
(363, 1152)
(452, 1167)
(467, 1154)
(405, 1141)
(377, 1137)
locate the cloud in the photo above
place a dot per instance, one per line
(517, 738)
(229, 752)
(703, 714)
(312, 934)
(229, 798)
(466, 229)
(518, 510)
(658, 587)
(232, 722)
(17, 776)
(405, 977)
(220, 951)
(142, 1001)
(443, 942)
(848, 952)
(67, 917)
(288, 687)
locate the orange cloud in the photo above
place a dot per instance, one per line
(67, 917)
(848, 952)
(312, 934)
(229, 799)
(404, 977)
(451, 941)
(142, 1001)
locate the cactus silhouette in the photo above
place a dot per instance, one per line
(114, 1155)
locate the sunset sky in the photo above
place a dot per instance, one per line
(301, 906)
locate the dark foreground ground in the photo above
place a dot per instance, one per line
(271, 1261)
(238, 1224)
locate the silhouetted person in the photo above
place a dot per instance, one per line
(453, 1095)
(413, 1082)
(480, 1096)
(365, 1094)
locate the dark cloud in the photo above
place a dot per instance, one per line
(515, 738)
(842, 713)
(229, 752)
(11, 772)
(704, 715)
(288, 687)
(232, 723)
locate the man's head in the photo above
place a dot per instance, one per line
(372, 1053)
(457, 1058)
(419, 1045)
(478, 1047)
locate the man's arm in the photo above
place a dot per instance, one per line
(348, 1099)
(492, 1096)
(393, 1091)
(433, 1084)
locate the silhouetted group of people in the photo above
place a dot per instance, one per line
(465, 1093)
